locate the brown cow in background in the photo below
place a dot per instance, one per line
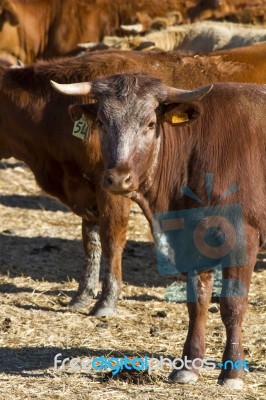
(45, 29)
(243, 11)
(31, 29)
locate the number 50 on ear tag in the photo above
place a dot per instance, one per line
(81, 128)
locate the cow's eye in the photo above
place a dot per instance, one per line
(151, 125)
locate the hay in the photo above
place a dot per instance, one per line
(40, 259)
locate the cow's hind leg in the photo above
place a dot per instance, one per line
(114, 212)
(195, 343)
(88, 284)
(233, 303)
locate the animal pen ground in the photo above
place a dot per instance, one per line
(41, 257)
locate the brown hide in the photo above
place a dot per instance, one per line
(228, 140)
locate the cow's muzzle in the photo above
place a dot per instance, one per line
(119, 182)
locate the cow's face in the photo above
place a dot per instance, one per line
(128, 113)
(128, 134)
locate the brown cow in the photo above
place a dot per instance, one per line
(34, 129)
(51, 28)
(150, 157)
(244, 11)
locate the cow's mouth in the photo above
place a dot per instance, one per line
(126, 193)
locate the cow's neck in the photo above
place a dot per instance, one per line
(161, 190)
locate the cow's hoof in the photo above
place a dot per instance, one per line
(103, 310)
(183, 376)
(236, 383)
(80, 301)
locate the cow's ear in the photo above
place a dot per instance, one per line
(88, 110)
(178, 114)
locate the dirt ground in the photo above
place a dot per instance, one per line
(40, 260)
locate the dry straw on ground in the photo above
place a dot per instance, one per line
(40, 259)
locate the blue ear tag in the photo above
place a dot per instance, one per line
(81, 128)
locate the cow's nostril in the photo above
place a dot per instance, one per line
(118, 181)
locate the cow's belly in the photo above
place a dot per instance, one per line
(70, 187)
(63, 180)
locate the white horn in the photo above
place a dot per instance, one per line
(88, 45)
(21, 64)
(174, 95)
(72, 89)
(18, 65)
(136, 28)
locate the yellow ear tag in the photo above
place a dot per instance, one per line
(178, 119)
(81, 128)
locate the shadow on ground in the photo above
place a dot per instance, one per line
(24, 361)
(19, 360)
(58, 260)
(32, 202)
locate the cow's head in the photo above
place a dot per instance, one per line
(128, 112)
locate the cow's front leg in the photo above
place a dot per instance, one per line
(195, 342)
(114, 213)
(234, 301)
(88, 284)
